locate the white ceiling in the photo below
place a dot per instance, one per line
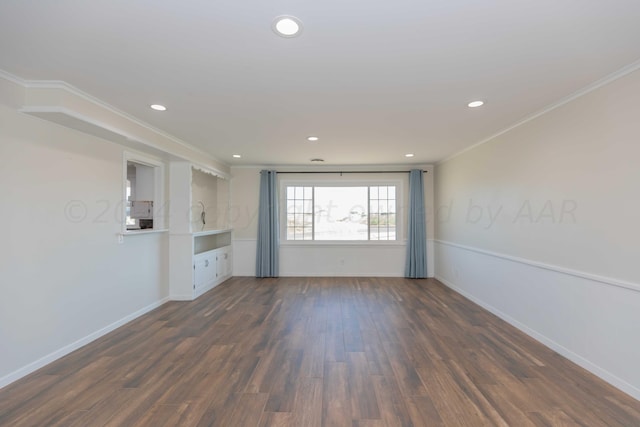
(373, 79)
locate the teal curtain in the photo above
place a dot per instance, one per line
(267, 253)
(416, 262)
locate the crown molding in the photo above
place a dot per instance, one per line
(64, 86)
(210, 171)
(12, 78)
(628, 69)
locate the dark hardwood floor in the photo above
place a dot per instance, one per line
(316, 352)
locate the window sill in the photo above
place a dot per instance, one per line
(343, 243)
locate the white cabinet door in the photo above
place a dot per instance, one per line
(204, 269)
(228, 261)
(224, 262)
(210, 268)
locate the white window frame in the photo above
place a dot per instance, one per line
(158, 190)
(284, 183)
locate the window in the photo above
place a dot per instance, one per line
(358, 212)
(382, 212)
(143, 177)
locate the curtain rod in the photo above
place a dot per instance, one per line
(341, 172)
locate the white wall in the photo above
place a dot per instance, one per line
(540, 225)
(243, 214)
(64, 278)
(316, 259)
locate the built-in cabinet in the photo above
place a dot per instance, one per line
(200, 237)
(211, 266)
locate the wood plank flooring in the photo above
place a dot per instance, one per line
(305, 352)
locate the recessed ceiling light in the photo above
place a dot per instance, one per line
(158, 107)
(475, 104)
(409, 155)
(312, 138)
(287, 26)
(236, 156)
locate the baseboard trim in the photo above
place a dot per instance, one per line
(34, 366)
(581, 274)
(340, 274)
(574, 357)
(181, 298)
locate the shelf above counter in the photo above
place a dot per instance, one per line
(209, 240)
(144, 231)
(211, 232)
